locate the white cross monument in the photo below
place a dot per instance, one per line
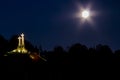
(21, 45)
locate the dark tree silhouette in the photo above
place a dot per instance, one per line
(104, 50)
(3, 45)
(78, 56)
(78, 53)
(29, 46)
(13, 43)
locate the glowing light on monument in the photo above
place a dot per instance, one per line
(22, 36)
(19, 41)
(21, 45)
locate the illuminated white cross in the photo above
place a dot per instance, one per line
(22, 35)
(19, 39)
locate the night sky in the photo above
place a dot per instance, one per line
(53, 22)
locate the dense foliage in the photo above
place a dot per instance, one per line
(60, 64)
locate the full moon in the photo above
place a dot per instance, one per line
(85, 14)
